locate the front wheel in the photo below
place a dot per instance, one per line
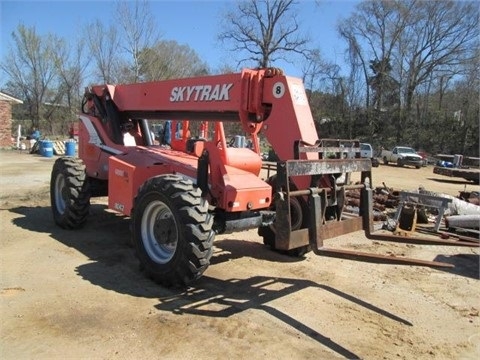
(297, 209)
(69, 193)
(385, 161)
(172, 230)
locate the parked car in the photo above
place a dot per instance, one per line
(402, 155)
(366, 151)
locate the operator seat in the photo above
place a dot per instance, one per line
(130, 134)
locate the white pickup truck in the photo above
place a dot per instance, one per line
(366, 151)
(402, 155)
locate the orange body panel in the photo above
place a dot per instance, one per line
(126, 177)
(244, 159)
(245, 192)
(290, 118)
(237, 190)
(222, 90)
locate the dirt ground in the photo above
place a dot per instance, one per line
(80, 294)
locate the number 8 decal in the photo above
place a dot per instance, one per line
(278, 90)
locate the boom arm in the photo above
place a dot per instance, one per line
(257, 98)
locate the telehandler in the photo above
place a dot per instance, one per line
(179, 195)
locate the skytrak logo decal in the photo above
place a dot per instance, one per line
(217, 92)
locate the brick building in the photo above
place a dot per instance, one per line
(6, 102)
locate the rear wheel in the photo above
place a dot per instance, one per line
(172, 230)
(69, 193)
(385, 161)
(400, 162)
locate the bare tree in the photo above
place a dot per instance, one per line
(263, 31)
(467, 108)
(30, 68)
(441, 35)
(410, 43)
(103, 44)
(169, 60)
(71, 64)
(383, 85)
(138, 29)
(319, 74)
(372, 33)
(356, 55)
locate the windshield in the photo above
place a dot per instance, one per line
(406, 150)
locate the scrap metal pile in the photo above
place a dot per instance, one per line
(385, 201)
(455, 214)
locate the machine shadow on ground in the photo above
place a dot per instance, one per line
(213, 297)
(227, 249)
(105, 239)
(465, 264)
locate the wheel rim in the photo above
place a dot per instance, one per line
(60, 195)
(159, 232)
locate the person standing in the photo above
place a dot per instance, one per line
(33, 137)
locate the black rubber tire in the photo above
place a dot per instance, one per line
(168, 207)
(399, 162)
(268, 232)
(69, 193)
(385, 161)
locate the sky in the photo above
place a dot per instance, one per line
(193, 23)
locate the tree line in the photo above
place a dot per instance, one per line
(411, 75)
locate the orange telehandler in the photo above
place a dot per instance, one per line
(180, 195)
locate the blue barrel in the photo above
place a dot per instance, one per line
(47, 148)
(70, 147)
(40, 147)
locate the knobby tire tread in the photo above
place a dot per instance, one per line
(77, 201)
(195, 239)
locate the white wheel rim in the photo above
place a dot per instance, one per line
(159, 232)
